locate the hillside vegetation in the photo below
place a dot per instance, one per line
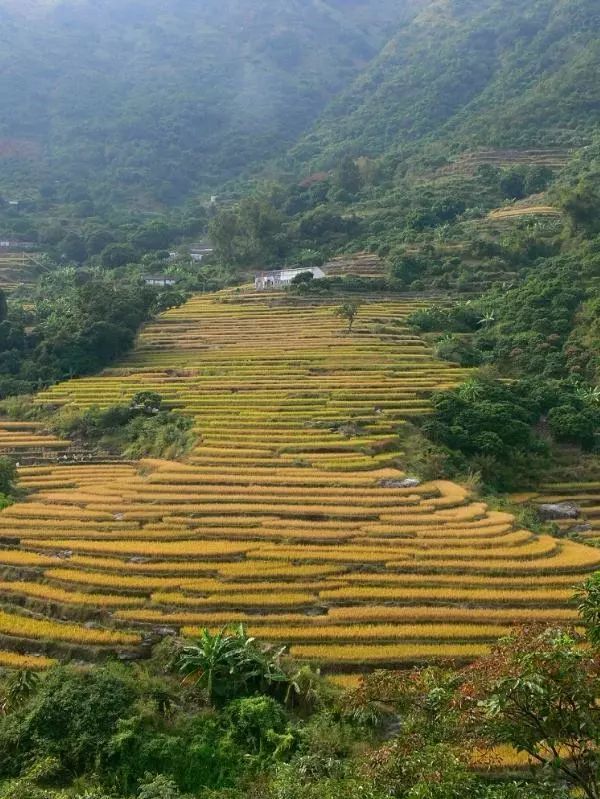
(463, 74)
(290, 515)
(194, 96)
(299, 543)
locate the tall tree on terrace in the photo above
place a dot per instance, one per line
(348, 311)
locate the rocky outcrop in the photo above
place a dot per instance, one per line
(407, 482)
(560, 510)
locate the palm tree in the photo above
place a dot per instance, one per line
(590, 394)
(207, 663)
(303, 688)
(487, 319)
(472, 389)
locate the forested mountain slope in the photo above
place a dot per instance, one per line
(143, 105)
(471, 72)
(147, 102)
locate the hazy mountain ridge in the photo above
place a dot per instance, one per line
(140, 104)
(463, 74)
(141, 100)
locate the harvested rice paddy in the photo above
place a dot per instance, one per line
(289, 514)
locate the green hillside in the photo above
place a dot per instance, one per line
(130, 104)
(331, 538)
(138, 103)
(470, 73)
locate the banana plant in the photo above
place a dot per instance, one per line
(18, 688)
(230, 663)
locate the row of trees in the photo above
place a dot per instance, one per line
(118, 245)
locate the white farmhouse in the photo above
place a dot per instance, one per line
(162, 281)
(200, 252)
(283, 277)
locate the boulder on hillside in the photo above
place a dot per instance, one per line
(558, 510)
(163, 632)
(63, 554)
(580, 528)
(407, 482)
(130, 655)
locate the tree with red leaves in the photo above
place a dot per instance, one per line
(538, 692)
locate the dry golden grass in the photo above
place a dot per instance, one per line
(465, 580)
(160, 567)
(178, 549)
(410, 613)
(512, 212)
(568, 557)
(516, 596)
(371, 632)
(52, 594)
(346, 554)
(501, 758)
(257, 569)
(346, 681)
(203, 619)
(140, 583)
(278, 513)
(257, 599)
(35, 510)
(15, 557)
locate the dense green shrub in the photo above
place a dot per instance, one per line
(489, 426)
(458, 318)
(138, 429)
(106, 732)
(72, 718)
(458, 350)
(79, 322)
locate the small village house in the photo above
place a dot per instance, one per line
(13, 244)
(199, 252)
(283, 277)
(161, 281)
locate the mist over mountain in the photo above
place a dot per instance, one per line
(147, 101)
(143, 104)
(283, 470)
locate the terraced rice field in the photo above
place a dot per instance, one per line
(516, 211)
(17, 269)
(364, 264)
(287, 515)
(585, 495)
(467, 163)
(19, 439)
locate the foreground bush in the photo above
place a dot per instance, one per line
(125, 732)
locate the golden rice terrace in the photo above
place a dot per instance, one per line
(288, 515)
